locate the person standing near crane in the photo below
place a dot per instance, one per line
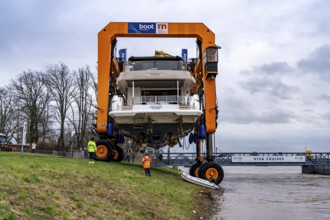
(146, 160)
(91, 147)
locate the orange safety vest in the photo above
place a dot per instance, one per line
(146, 160)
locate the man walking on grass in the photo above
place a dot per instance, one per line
(146, 160)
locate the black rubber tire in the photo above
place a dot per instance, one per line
(105, 150)
(194, 169)
(211, 170)
(200, 168)
(119, 154)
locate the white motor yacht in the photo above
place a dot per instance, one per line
(153, 101)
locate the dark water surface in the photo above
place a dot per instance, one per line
(272, 193)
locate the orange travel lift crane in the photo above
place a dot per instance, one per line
(204, 71)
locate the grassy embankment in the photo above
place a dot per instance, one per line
(48, 187)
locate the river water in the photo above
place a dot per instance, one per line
(271, 193)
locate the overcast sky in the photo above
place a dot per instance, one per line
(274, 82)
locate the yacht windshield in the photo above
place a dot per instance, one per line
(156, 65)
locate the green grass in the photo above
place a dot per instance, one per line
(48, 187)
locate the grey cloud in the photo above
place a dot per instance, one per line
(274, 68)
(26, 21)
(38, 27)
(233, 110)
(325, 97)
(36, 33)
(277, 116)
(326, 116)
(269, 86)
(267, 79)
(318, 62)
(324, 27)
(237, 111)
(293, 142)
(318, 13)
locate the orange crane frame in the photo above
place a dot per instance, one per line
(108, 65)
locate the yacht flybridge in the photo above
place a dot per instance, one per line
(153, 102)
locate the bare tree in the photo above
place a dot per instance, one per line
(46, 124)
(62, 88)
(82, 105)
(8, 122)
(32, 99)
(94, 87)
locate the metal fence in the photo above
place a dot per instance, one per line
(187, 159)
(226, 159)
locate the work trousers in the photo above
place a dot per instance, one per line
(91, 156)
(147, 171)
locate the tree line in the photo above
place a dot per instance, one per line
(55, 103)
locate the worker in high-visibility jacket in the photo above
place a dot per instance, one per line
(146, 160)
(91, 147)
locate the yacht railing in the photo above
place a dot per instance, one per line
(142, 100)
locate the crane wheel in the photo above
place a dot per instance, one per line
(211, 171)
(105, 150)
(194, 169)
(119, 154)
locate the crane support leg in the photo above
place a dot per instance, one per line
(209, 147)
(199, 157)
